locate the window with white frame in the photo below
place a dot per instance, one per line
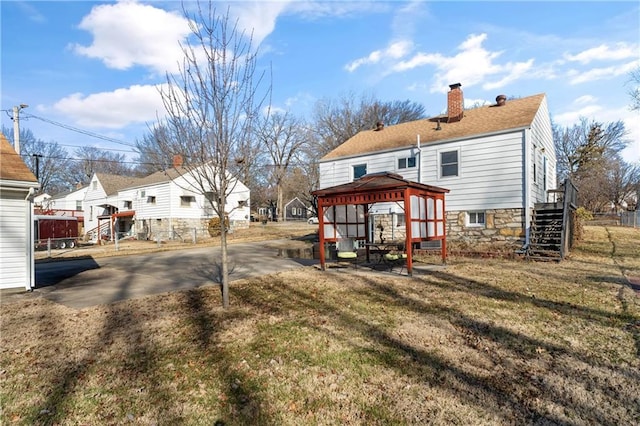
(476, 218)
(400, 220)
(186, 200)
(449, 163)
(78, 205)
(151, 199)
(127, 204)
(407, 162)
(359, 170)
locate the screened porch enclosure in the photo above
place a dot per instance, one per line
(345, 213)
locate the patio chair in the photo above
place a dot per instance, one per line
(396, 258)
(347, 251)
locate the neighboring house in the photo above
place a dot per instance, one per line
(161, 205)
(17, 186)
(497, 161)
(295, 210)
(72, 201)
(41, 201)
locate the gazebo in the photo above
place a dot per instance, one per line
(343, 212)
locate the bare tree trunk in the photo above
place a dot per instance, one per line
(225, 264)
(280, 203)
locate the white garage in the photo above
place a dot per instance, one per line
(17, 186)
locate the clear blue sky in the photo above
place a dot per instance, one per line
(94, 66)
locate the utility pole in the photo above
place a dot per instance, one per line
(37, 158)
(16, 126)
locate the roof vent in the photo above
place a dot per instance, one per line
(379, 126)
(501, 100)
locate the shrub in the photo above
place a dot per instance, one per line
(214, 226)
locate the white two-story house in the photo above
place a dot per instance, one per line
(163, 205)
(497, 161)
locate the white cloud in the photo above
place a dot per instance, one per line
(472, 65)
(395, 50)
(517, 70)
(112, 110)
(590, 109)
(258, 18)
(569, 118)
(586, 99)
(577, 77)
(604, 52)
(126, 34)
(313, 10)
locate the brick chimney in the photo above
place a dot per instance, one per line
(455, 103)
(177, 161)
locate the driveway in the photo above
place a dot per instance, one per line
(88, 282)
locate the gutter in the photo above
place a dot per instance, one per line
(31, 268)
(419, 158)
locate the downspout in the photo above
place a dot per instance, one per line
(419, 158)
(526, 189)
(30, 282)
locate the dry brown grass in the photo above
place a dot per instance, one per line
(482, 341)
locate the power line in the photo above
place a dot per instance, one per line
(84, 132)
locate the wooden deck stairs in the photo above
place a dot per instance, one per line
(546, 234)
(552, 226)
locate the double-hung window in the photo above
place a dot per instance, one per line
(449, 163)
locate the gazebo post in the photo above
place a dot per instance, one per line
(444, 229)
(321, 233)
(408, 246)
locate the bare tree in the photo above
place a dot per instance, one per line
(282, 136)
(622, 181)
(151, 157)
(89, 160)
(337, 121)
(634, 91)
(211, 105)
(584, 145)
(588, 154)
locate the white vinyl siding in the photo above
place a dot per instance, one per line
(490, 173)
(542, 137)
(15, 244)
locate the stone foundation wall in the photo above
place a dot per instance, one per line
(168, 229)
(501, 226)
